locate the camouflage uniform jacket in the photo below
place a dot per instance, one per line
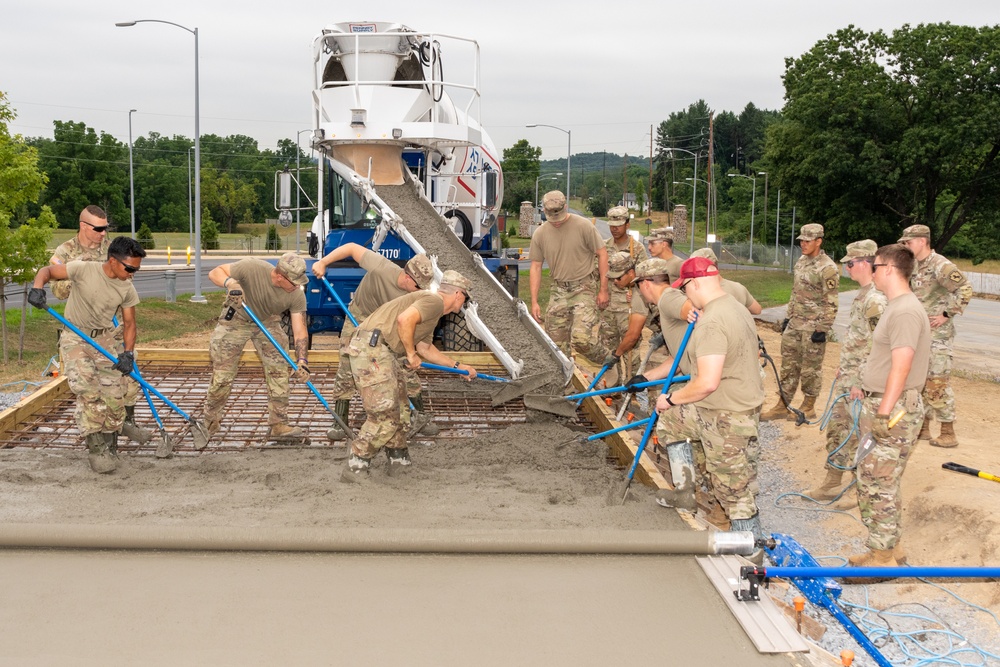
(72, 250)
(866, 309)
(621, 299)
(813, 306)
(941, 288)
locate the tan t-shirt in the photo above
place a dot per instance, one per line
(674, 268)
(265, 300)
(569, 249)
(430, 305)
(738, 292)
(378, 287)
(903, 324)
(95, 298)
(671, 325)
(726, 327)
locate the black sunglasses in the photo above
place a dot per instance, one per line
(128, 267)
(683, 287)
(852, 262)
(96, 228)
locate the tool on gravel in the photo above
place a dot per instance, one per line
(165, 447)
(288, 358)
(867, 442)
(564, 406)
(512, 388)
(198, 432)
(652, 422)
(957, 467)
(800, 417)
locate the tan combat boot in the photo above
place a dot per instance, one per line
(808, 408)
(873, 558)
(830, 488)
(100, 457)
(925, 431)
(947, 438)
(779, 411)
(133, 431)
(286, 434)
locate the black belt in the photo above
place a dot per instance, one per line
(570, 284)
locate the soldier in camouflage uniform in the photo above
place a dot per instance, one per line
(91, 245)
(383, 282)
(397, 333)
(944, 292)
(100, 291)
(569, 244)
(866, 309)
(614, 319)
(811, 312)
(269, 291)
(661, 246)
(718, 409)
(900, 350)
(622, 322)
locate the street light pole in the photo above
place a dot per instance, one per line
(131, 177)
(197, 298)
(753, 204)
(190, 204)
(777, 228)
(763, 231)
(569, 153)
(542, 178)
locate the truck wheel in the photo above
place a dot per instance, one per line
(461, 226)
(455, 335)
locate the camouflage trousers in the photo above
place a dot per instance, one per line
(612, 329)
(98, 387)
(378, 374)
(571, 317)
(801, 359)
(132, 390)
(225, 348)
(721, 443)
(343, 384)
(939, 398)
(838, 432)
(879, 474)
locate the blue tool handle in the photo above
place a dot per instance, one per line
(340, 301)
(135, 375)
(459, 371)
(882, 572)
(597, 378)
(145, 392)
(619, 389)
(284, 353)
(624, 427)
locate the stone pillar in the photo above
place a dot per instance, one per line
(526, 219)
(679, 221)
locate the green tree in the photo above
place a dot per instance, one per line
(520, 166)
(883, 131)
(209, 231)
(23, 240)
(273, 240)
(226, 197)
(145, 237)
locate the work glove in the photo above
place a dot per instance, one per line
(234, 298)
(301, 374)
(611, 360)
(818, 337)
(36, 297)
(784, 325)
(880, 427)
(126, 363)
(656, 342)
(634, 380)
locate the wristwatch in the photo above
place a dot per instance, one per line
(669, 402)
(456, 364)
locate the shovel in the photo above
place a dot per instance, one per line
(198, 431)
(165, 447)
(284, 353)
(642, 369)
(512, 388)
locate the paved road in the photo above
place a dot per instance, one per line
(977, 337)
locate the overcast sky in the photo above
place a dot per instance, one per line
(604, 70)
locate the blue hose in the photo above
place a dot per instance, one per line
(883, 572)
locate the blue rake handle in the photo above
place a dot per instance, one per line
(134, 374)
(459, 371)
(652, 422)
(622, 388)
(597, 378)
(340, 302)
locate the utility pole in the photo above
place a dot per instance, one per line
(649, 193)
(625, 181)
(708, 177)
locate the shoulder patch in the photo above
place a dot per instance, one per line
(956, 276)
(831, 284)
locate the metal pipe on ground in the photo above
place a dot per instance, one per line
(366, 540)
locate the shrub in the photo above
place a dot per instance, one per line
(273, 240)
(145, 237)
(209, 232)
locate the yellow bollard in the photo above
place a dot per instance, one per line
(168, 255)
(189, 256)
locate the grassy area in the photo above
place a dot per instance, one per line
(158, 321)
(179, 240)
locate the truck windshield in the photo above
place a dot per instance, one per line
(347, 209)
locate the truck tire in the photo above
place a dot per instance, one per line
(455, 335)
(461, 226)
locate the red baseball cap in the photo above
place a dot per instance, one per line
(695, 267)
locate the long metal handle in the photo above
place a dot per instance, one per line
(459, 371)
(619, 389)
(135, 375)
(597, 378)
(339, 301)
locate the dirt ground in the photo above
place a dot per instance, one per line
(949, 519)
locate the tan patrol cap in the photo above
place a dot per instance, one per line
(617, 216)
(811, 232)
(293, 267)
(707, 253)
(661, 234)
(651, 268)
(554, 204)
(420, 269)
(865, 248)
(456, 279)
(915, 232)
(619, 264)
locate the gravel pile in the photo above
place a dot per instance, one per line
(10, 399)
(798, 517)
